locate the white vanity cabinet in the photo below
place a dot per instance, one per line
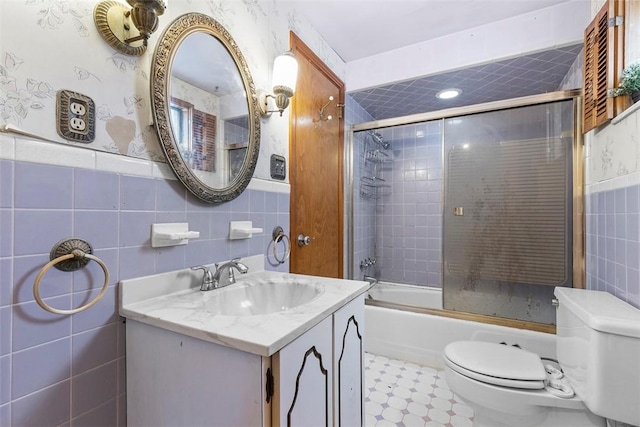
(315, 380)
(303, 379)
(177, 380)
(348, 363)
(318, 377)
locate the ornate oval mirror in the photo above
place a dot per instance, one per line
(205, 108)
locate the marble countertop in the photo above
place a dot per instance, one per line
(173, 301)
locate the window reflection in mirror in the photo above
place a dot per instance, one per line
(236, 138)
(181, 120)
(194, 124)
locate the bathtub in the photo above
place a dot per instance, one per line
(419, 296)
(396, 328)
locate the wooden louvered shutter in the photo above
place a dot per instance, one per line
(204, 140)
(597, 107)
(603, 60)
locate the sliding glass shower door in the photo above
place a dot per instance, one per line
(507, 239)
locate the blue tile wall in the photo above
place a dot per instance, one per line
(364, 208)
(96, 190)
(409, 218)
(50, 365)
(42, 186)
(31, 374)
(401, 227)
(364, 205)
(6, 178)
(47, 407)
(613, 242)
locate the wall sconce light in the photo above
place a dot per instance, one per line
(285, 74)
(127, 30)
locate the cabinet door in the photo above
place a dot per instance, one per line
(176, 380)
(348, 335)
(303, 377)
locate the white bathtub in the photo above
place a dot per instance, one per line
(421, 338)
(420, 296)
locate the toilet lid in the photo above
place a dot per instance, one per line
(496, 364)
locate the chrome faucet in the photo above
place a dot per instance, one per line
(207, 279)
(229, 265)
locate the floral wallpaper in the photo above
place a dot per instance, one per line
(50, 45)
(17, 98)
(613, 150)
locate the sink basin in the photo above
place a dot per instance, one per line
(262, 297)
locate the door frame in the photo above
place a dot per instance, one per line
(303, 52)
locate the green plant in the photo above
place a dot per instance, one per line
(630, 81)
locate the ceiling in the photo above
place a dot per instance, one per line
(360, 28)
(532, 74)
(216, 72)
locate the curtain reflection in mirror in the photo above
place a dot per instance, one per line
(195, 132)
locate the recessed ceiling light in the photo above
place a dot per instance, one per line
(448, 93)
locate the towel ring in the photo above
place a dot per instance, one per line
(76, 257)
(278, 234)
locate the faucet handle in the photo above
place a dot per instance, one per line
(207, 278)
(235, 263)
(243, 269)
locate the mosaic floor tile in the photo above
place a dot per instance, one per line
(403, 394)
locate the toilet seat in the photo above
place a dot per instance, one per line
(496, 364)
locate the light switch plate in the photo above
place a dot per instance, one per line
(75, 116)
(278, 167)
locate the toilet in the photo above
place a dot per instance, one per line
(597, 374)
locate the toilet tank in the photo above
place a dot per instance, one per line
(598, 348)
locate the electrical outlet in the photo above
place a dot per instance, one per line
(77, 107)
(77, 124)
(76, 116)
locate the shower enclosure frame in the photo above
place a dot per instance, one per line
(578, 250)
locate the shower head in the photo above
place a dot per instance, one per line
(378, 139)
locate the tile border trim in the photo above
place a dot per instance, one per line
(614, 183)
(30, 150)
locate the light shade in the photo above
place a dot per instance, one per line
(285, 74)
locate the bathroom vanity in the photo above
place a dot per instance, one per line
(273, 349)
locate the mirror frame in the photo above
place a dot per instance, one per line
(162, 62)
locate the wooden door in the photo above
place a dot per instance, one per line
(316, 167)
